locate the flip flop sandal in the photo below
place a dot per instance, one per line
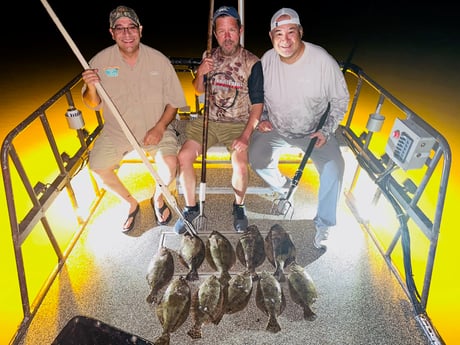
(161, 211)
(132, 215)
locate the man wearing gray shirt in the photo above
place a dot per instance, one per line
(300, 81)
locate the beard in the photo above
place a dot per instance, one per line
(229, 47)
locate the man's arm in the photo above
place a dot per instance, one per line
(256, 95)
(155, 134)
(199, 82)
(253, 120)
(90, 95)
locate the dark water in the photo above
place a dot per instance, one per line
(412, 52)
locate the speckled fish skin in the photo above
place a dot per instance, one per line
(280, 250)
(220, 255)
(250, 250)
(173, 309)
(239, 292)
(207, 305)
(270, 299)
(191, 255)
(302, 290)
(159, 272)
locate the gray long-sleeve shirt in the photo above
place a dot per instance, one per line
(296, 95)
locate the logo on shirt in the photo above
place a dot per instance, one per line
(112, 71)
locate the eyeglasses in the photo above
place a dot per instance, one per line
(128, 29)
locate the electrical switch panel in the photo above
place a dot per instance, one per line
(409, 145)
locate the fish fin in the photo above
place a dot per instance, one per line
(151, 298)
(308, 314)
(219, 316)
(283, 302)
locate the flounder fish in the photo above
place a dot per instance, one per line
(207, 305)
(302, 290)
(191, 255)
(270, 299)
(173, 309)
(239, 292)
(220, 255)
(280, 250)
(250, 250)
(159, 272)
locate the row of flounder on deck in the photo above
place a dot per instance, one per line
(222, 293)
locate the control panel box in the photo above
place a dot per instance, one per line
(409, 145)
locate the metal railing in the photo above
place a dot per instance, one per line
(414, 186)
(41, 194)
(404, 190)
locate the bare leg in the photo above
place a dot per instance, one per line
(240, 175)
(113, 183)
(167, 168)
(187, 176)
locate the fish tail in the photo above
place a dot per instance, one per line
(195, 332)
(279, 274)
(225, 278)
(272, 324)
(192, 275)
(162, 339)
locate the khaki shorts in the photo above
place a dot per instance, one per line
(218, 132)
(107, 153)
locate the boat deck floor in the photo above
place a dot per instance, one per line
(359, 299)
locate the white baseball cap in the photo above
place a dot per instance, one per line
(284, 11)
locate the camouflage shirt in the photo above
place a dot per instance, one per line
(236, 84)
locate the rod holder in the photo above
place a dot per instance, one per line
(74, 118)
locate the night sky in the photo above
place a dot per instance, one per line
(180, 27)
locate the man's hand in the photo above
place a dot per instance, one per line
(321, 139)
(153, 136)
(264, 126)
(240, 144)
(90, 76)
(206, 66)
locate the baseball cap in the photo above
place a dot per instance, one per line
(123, 11)
(284, 11)
(226, 11)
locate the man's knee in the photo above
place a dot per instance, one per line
(258, 159)
(240, 168)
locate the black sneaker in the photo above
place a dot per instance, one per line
(240, 221)
(190, 213)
